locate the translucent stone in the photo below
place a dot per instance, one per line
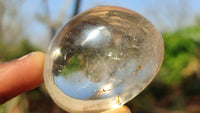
(101, 59)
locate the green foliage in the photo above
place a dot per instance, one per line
(73, 65)
(2, 108)
(180, 47)
(12, 51)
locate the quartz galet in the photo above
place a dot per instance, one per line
(101, 59)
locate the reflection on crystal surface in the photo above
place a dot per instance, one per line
(104, 53)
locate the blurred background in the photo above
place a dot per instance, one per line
(27, 25)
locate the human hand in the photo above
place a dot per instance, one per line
(26, 73)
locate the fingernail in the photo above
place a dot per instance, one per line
(38, 58)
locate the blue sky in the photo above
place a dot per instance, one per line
(163, 14)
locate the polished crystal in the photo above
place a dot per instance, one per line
(101, 59)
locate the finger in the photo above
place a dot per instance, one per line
(123, 109)
(20, 75)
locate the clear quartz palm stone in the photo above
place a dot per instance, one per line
(101, 59)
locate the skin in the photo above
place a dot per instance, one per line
(26, 73)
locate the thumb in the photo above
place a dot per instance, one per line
(21, 75)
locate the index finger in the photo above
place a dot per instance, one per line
(123, 109)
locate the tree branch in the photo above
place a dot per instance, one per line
(77, 7)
